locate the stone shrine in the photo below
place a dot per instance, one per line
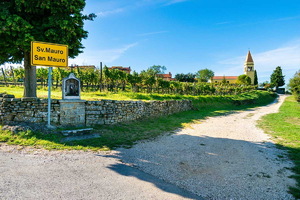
(72, 109)
(71, 87)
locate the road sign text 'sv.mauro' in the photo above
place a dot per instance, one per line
(49, 54)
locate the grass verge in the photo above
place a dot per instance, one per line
(42, 92)
(127, 134)
(284, 126)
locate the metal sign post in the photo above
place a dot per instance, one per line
(49, 54)
(49, 95)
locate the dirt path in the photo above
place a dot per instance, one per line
(224, 157)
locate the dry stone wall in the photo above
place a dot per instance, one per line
(111, 112)
(34, 110)
(27, 110)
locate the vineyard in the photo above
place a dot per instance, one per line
(114, 80)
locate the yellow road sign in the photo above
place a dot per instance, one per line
(49, 54)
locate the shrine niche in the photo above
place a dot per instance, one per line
(71, 87)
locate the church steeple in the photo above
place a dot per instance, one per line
(249, 57)
(249, 67)
(249, 62)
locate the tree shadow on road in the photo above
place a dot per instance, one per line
(126, 170)
(209, 167)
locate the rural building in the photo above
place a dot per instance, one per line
(83, 66)
(166, 77)
(124, 69)
(228, 79)
(248, 70)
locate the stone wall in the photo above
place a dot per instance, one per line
(96, 112)
(28, 110)
(111, 112)
(72, 112)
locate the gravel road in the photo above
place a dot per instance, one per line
(225, 157)
(28, 173)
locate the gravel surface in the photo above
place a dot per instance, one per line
(28, 173)
(225, 157)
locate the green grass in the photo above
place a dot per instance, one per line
(38, 140)
(42, 92)
(127, 134)
(284, 126)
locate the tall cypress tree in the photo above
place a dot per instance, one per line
(55, 21)
(255, 78)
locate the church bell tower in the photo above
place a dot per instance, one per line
(249, 67)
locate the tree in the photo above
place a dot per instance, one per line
(148, 78)
(277, 79)
(164, 85)
(55, 21)
(42, 74)
(244, 79)
(123, 78)
(59, 74)
(224, 81)
(266, 85)
(204, 75)
(189, 77)
(255, 78)
(19, 73)
(294, 85)
(158, 69)
(90, 77)
(111, 78)
(133, 80)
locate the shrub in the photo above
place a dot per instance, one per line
(294, 86)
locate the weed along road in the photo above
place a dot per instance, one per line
(223, 157)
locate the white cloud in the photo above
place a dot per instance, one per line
(222, 23)
(110, 12)
(287, 18)
(105, 55)
(152, 33)
(111, 55)
(175, 1)
(287, 57)
(124, 6)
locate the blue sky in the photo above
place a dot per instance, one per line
(189, 35)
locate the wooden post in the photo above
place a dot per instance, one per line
(13, 74)
(4, 76)
(100, 77)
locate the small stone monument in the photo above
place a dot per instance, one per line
(71, 87)
(72, 109)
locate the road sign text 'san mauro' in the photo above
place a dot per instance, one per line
(49, 54)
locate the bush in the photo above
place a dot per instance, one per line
(294, 86)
